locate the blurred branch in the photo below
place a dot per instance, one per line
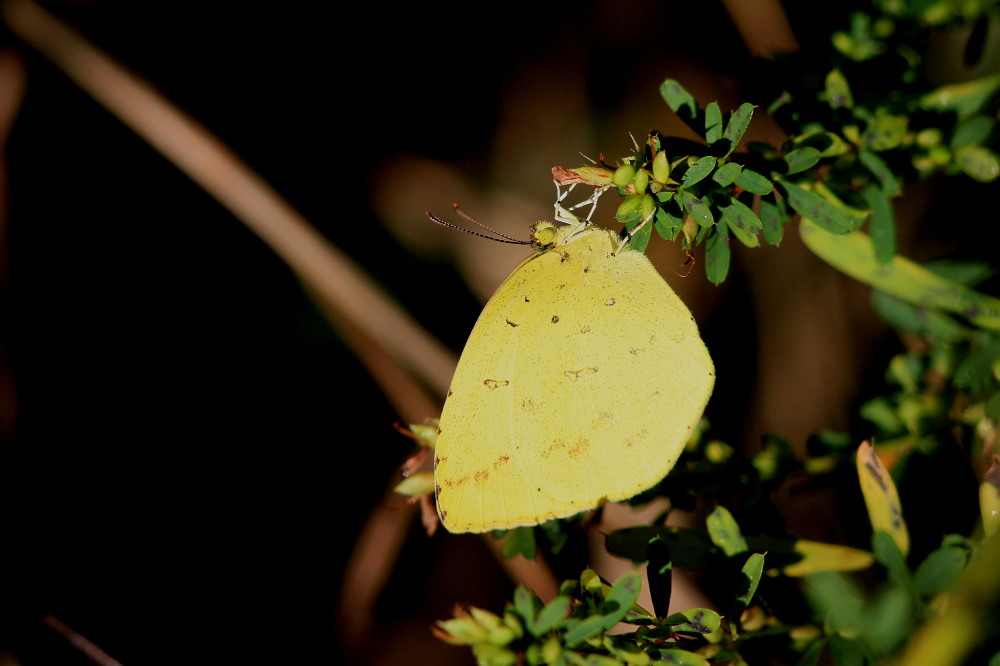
(84, 645)
(763, 25)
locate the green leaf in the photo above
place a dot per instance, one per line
(697, 171)
(619, 600)
(884, 132)
(713, 123)
(724, 531)
(966, 99)
(772, 219)
(939, 570)
(667, 224)
(727, 173)
(978, 162)
(877, 166)
(838, 600)
(742, 221)
(752, 570)
(974, 130)
(675, 657)
(854, 255)
(584, 629)
(520, 541)
(551, 614)
(838, 92)
(717, 255)
(888, 554)
(681, 102)
(739, 120)
(881, 224)
(812, 206)
(694, 621)
(633, 211)
(992, 408)
(889, 619)
(526, 605)
(570, 658)
(801, 159)
(753, 182)
(696, 208)
(913, 320)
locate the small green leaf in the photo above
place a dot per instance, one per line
(881, 224)
(966, 99)
(772, 219)
(520, 541)
(753, 182)
(877, 166)
(717, 255)
(939, 570)
(978, 162)
(739, 120)
(713, 123)
(694, 621)
(525, 603)
(675, 657)
(727, 173)
(697, 171)
(972, 131)
(887, 553)
(888, 619)
(551, 614)
(838, 92)
(667, 224)
(584, 629)
(884, 132)
(619, 600)
(801, 159)
(694, 207)
(838, 600)
(913, 320)
(752, 570)
(812, 206)
(680, 102)
(742, 221)
(992, 408)
(724, 531)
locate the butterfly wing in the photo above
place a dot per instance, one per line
(580, 383)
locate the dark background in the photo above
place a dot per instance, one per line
(190, 451)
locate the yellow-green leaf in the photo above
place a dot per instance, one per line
(881, 497)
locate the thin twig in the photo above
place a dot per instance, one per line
(80, 642)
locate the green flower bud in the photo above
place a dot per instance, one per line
(661, 167)
(623, 175)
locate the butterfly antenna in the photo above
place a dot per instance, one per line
(504, 238)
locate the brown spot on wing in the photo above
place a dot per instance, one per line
(574, 375)
(492, 384)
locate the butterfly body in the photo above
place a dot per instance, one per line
(580, 383)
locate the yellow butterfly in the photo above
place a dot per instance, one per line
(580, 383)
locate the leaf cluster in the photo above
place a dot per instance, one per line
(860, 128)
(856, 136)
